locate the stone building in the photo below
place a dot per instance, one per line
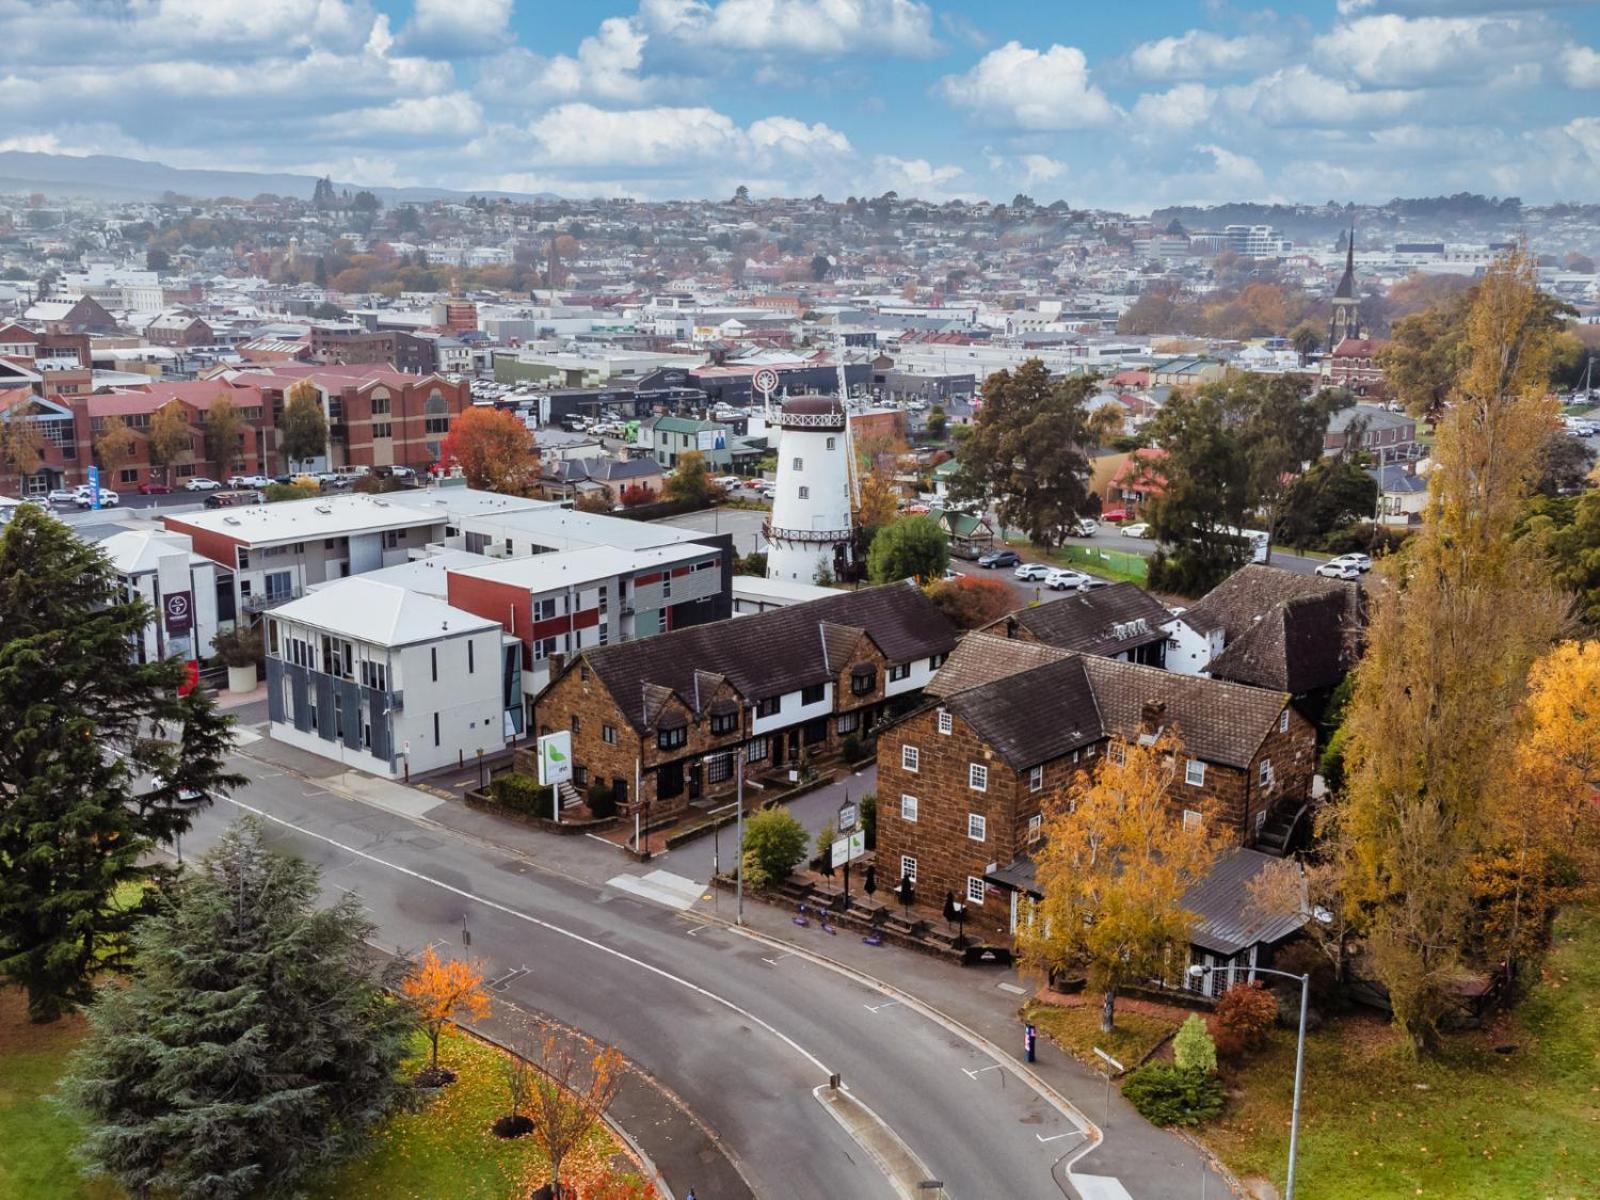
(1007, 726)
(786, 685)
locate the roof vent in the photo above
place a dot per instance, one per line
(324, 508)
(231, 521)
(380, 503)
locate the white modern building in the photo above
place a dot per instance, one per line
(811, 531)
(391, 681)
(191, 597)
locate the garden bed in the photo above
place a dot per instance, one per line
(1075, 1027)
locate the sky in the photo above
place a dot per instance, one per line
(1109, 105)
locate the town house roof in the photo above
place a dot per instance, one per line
(771, 653)
(1108, 620)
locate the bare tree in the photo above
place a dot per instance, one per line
(571, 1090)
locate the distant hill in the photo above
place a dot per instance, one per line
(107, 177)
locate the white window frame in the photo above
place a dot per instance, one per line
(947, 722)
(1036, 778)
(1035, 828)
(908, 867)
(909, 758)
(1193, 818)
(908, 807)
(1194, 773)
(1119, 754)
(1283, 721)
(978, 777)
(977, 827)
(977, 890)
(1265, 774)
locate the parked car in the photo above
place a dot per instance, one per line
(154, 487)
(62, 495)
(1339, 570)
(1085, 527)
(951, 573)
(248, 481)
(1139, 529)
(1114, 515)
(999, 558)
(199, 483)
(728, 481)
(1359, 561)
(405, 473)
(1032, 571)
(1063, 578)
(108, 499)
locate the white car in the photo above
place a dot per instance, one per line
(1580, 428)
(1339, 570)
(1139, 529)
(85, 499)
(248, 481)
(201, 484)
(1085, 527)
(1033, 571)
(728, 481)
(1360, 562)
(1063, 578)
(64, 495)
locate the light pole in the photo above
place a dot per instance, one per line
(1199, 971)
(738, 788)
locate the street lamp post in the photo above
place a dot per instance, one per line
(1199, 971)
(738, 788)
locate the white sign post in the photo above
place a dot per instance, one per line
(555, 758)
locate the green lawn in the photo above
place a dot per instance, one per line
(1523, 1126)
(444, 1149)
(1076, 1029)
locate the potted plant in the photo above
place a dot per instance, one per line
(240, 651)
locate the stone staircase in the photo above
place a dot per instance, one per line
(568, 795)
(1278, 833)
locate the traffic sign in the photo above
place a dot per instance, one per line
(766, 381)
(849, 813)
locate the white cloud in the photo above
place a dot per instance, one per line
(453, 115)
(1389, 50)
(1298, 96)
(1023, 88)
(1179, 108)
(1580, 67)
(790, 136)
(824, 28)
(1040, 168)
(458, 26)
(916, 177)
(606, 67)
(583, 135)
(1201, 54)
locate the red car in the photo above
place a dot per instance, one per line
(152, 488)
(1114, 514)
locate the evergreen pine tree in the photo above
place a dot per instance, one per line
(253, 1044)
(84, 728)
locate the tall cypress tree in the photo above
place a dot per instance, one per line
(253, 1044)
(82, 728)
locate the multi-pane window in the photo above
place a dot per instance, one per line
(976, 889)
(1035, 827)
(978, 777)
(769, 707)
(1194, 773)
(908, 868)
(724, 722)
(977, 826)
(1283, 721)
(671, 739)
(1192, 818)
(908, 808)
(1036, 778)
(1266, 772)
(755, 750)
(899, 671)
(848, 722)
(608, 734)
(946, 721)
(813, 694)
(909, 758)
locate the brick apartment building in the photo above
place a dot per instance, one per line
(1009, 726)
(339, 346)
(786, 685)
(179, 329)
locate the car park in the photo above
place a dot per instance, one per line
(999, 558)
(1032, 571)
(1338, 570)
(200, 483)
(1139, 529)
(1360, 562)
(1063, 578)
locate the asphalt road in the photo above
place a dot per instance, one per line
(742, 1032)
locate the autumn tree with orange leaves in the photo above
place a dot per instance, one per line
(571, 1091)
(442, 990)
(495, 450)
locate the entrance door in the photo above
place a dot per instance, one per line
(696, 782)
(669, 780)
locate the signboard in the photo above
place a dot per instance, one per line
(177, 609)
(848, 849)
(94, 487)
(711, 439)
(765, 380)
(848, 815)
(555, 758)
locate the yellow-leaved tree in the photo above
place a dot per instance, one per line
(442, 990)
(1116, 864)
(1458, 617)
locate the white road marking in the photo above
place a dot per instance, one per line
(1057, 1137)
(546, 925)
(780, 958)
(981, 1070)
(1099, 1187)
(880, 1007)
(663, 887)
(696, 929)
(1012, 988)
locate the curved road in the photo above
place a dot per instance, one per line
(741, 1031)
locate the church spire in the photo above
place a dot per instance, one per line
(1346, 319)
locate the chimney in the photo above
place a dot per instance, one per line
(557, 661)
(1152, 716)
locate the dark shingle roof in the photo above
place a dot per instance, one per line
(1036, 716)
(982, 657)
(1091, 622)
(769, 653)
(1280, 629)
(1236, 603)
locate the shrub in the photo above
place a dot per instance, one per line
(850, 747)
(239, 647)
(1193, 1049)
(776, 842)
(524, 795)
(276, 492)
(1242, 1019)
(602, 800)
(753, 563)
(1169, 1095)
(869, 819)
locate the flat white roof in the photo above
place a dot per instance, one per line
(380, 614)
(424, 575)
(758, 588)
(573, 568)
(567, 529)
(303, 520)
(470, 502)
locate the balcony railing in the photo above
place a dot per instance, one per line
(269, 600)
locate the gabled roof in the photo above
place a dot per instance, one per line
(1035, 716)
(1247, 595)
(1296, 633)
(1108, 620)
(982, 657)
(380, 613)
(770, 653)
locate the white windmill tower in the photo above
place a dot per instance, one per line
(812, 528)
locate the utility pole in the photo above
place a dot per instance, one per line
(738, 767)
